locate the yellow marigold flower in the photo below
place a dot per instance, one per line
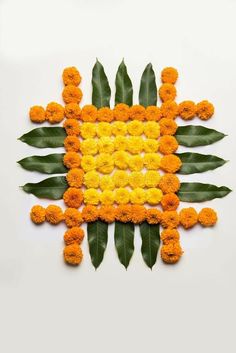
(89, 146)
(120, 178)
(75, 177)
(205, 110)
(121, 159)
(37, 214)
(105, 163)
(54, 214)
(168, 144)
(135, 128)
(152, 160)
(207, 217)
(187, 110)
(122, 196)
(170, 202)
(73, 197)
(72, 111)
(105, 114)
(91, 179)
(136, 180)
(138, 214)
(103, 129)
(71, 76)
(88, 130)
(170, 163)
(105, 145)
(72, 144)
(106, 183)
(73, 254)
(74, 235)
(167, 92)
(152, 130)
(91, 197)
(72, 94)
(153, 196)
(88, 163)
(168, 126)
(135, 144)
(153, 113)
(150, 146)
(90, 213)
(71, 160)
(169, 75)
(169, 110)
(72, 127)
(169, 235)
(153, 216)
(107, 213)
(89, 113)
(119, 128)
(137, 112)
(152, 178)
(37, 114)
(121, 112)
(120, 143)
(124, 213)
(171, 253)
(54, 113)
(107, 197)
(138, 196)
(169, 183)
(188, 217)
(170, 219)
(73, 218)
(135, 163)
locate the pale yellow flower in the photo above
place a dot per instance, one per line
(136, 180)
(105, 145)
(152, 130)
(135, 128)
(121, 159)
(91, 179)
(88, 163)
(88, 130)
(119, 128)
(121, 196)
(103, 129)
(105, 163)
(150, 146)
(138, 196)
(152, 160)
(106, 183)
(135, 163)
(152, 179)
(88, 146)
(91, 197)
(120, 178)
(153, 196)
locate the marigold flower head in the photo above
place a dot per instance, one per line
(169, 110)
(136, 180)
(168, 144)
(169, 183)
(73, 218)
(153, 216)
(152, 178)
(37, 214)
(138, 214)
(105, 145)
(167, 92)
(152, 160)
(150, 146)
(103, 129)
(171, 253)
(105, 163)
(168, 126)
(89, 113)
(135, 163)
(121, 159)
(72, 127)
(72, 144)
(107, 213)
(121, 196)
(152, 129)
(169, 75)
(135, 144)
(153, 196)
(54, 113)
(105, 114)
(120, 143)
(207, 217)
(37, 114)
(119, 128)
(135, 128)
(106, 183)
(88, 163)
(187, 110)
(74, 235)
(188, 217)
(137, 112)
(75, 177)
(54, 214)
(205, 110)
(170, 219)
(72, 94)
(71, 76)
(153, 113)
(90, 213)
(170, 202)
(138, 196)
(107, 197)
(91, 197)
(73, 254)
(89, 146)
(170, 163)
(88, 130)
(124, 213)
(120, 178)
(71, 160)
(72, 111)
(73, 197)
(121, 112)
(91, 179)
(169, 235)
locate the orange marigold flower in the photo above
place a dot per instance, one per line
(54, 214)
(72, 144)
(188, 217)
(75, 177)
(105, 114)
(205, 110)
(107, 213)
(207, 217)
(171, 253)
(37, 114)
(74, 235)
(73, 197)
(153, 216)
(54, 113)
(124, 213)
(72, 111)
(72, 127)
(187, 110)
(138, 214)
(168, 126)
(167, 92)
(90, 213)
(89, 113)
(72, 94)
(170, 202)
(169, 110)
(121, 112)
(71, 76)
(168, 144)
(170, 163)
(73, 217)
(153, 113)
(169, 75)
(73, 254)
(169, 183)
(169, 235)
(170, 219)
(71, 160)
(137, 112)
(37, 214)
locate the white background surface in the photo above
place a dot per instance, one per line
(49, 307)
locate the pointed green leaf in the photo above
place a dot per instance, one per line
(45, 137)
(101, 90)
(192, 135)
(198, 163)
(150, 234)
(97, 240)
(50, 164)
(124, 89)
(198, 192)
(148, 87)
(124, 241)
(52, 188)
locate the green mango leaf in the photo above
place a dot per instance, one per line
(50, 164)
(52, 188)
(198, 163)
(148, 87)
(45, 137)
(101, 90)
(198, 192)
(97, 240)
(124, 241)
(124, 89)
(150, 234)
(192, 136)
